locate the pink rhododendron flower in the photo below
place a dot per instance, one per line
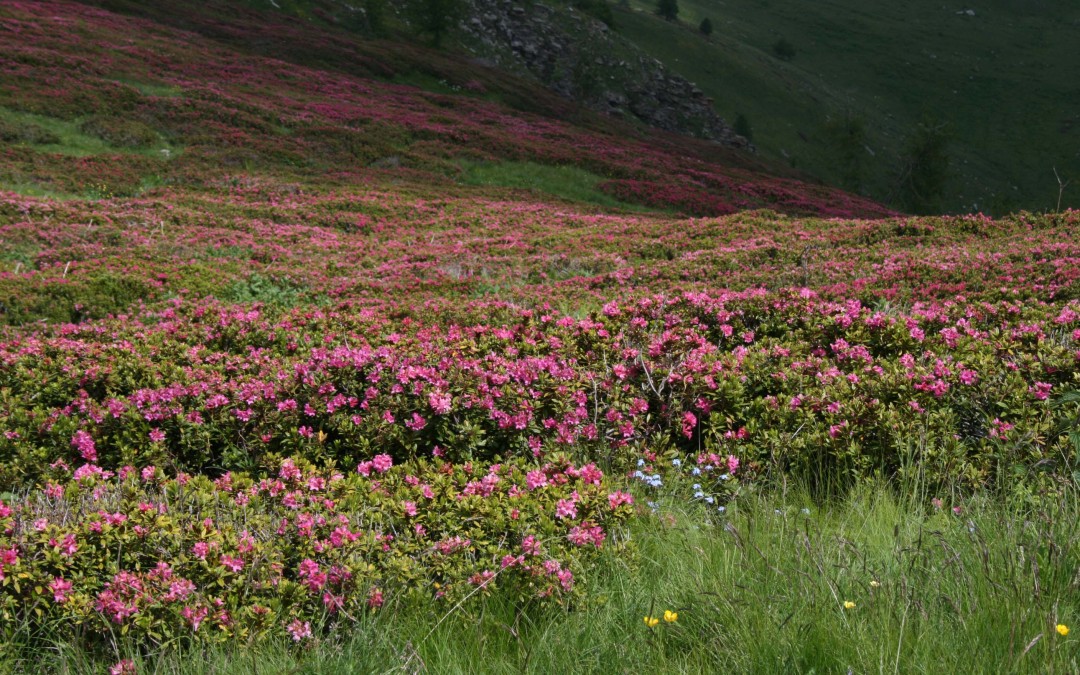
(510, 561)
(299, 630)
(125, 667)
(333, 602)
(440, 402)
(84, 443)
(535, 480)
(530, 545)
(416, 423)
(1040, 390)
(194, 616)
(586, 533)
(566, 508)
(591, 475)
(289, 471)
(689, 423)
(999, 429)
(200, 550)
(60, 588)
(67, 547)
(375, 598)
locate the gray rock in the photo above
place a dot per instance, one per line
(554, 44)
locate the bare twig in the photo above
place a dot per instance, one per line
(1061, 189)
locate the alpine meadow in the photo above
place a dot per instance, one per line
(478, 336)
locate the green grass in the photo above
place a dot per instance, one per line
(66, 137)
(997, 78)
(565, 182)
(438, 85)
(761, 590)
(32, 189)
(148, 88)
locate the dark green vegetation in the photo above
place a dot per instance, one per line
(998, 78)
(667, 9)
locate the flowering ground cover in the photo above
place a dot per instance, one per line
(255, 391)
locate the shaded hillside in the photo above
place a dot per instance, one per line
(862, 77)
(133, 104)
(864, 93)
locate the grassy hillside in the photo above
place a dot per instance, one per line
(243, 90)
(844, 109)
(998, 80)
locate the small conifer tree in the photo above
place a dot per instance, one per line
(784, 49)
(435, 18)
(669, 9)
(742, 127)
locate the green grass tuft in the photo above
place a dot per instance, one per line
(81, 138)
(565, 182)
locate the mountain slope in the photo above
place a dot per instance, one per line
(185, 108)
(995, 78)
(863, 86)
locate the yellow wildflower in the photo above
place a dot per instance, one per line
(874, 583)
(1062, 629)
(849, 604)
(651, 621)
(670, 616)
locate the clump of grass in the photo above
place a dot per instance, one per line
(93, 135)
(120, 132)
(29, 188)
(12, 131)
(148, 88)
(259, 288)
(566, 182)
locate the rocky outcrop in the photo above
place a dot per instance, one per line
(582, 59)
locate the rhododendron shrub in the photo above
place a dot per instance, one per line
(159, 559)
(826, 390)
